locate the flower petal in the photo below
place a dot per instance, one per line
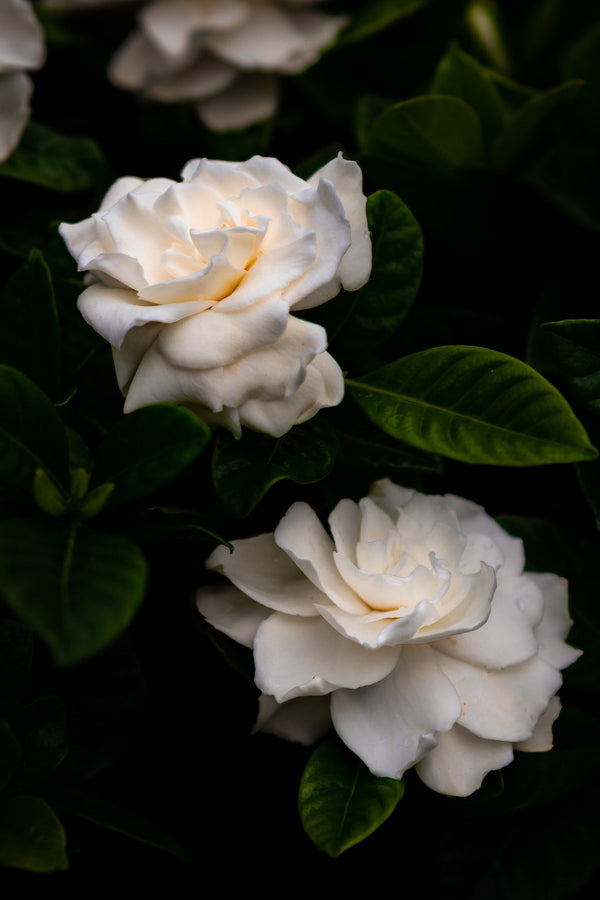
(21, 38)
(229, 610)
(15, 93)
(246, 101)
(555, 623)
(541, 739)
(173, 25)
(460, 761)
(206, 77)
(392, 724)
(304, 720)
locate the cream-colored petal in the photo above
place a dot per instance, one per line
(251, 98)
(345, 524)
(21, 37)
(304, 720)
(555, 623)
(174, 25)
(541, 739)
(390, 497)
(137, 64)
(474, 519)
(459, 763)
(393, 723)
(205, 77)
(15, 93)
(229, 610)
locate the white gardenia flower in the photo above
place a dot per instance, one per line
(415, 631)
(193, 282)
(225, 55)
(22, 48)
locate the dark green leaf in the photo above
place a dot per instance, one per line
(163, 523)
(10, 753)
(31, 836)
(41, 727)
(31, 433)
(442, 133)
(340, 801)
(583, 61)
(15, 664)
(376, 453)
(475, 405)
(82, 588)
(459, 75)
(116, 818)
(54, 160)
(361, 320)
(244, 470)
(575, 348)
(522, 129)
(29, 340)
(147, 449)
(568, 176)
(377, 15)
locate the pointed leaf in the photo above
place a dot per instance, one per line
(56, 161)
(147, 449)
(31, 433)
(377, 15)
(475, 405)
(575, 348)
(244, 470)
(31, 836)
(77, 588)
(442, 133)
(340, 801)
(362, 320)
(29, 339)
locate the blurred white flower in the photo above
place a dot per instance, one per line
(223, 54)
(415, 631)
(193, 282)
(22, 48)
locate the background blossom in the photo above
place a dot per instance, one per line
(21, 49)
(415, 626)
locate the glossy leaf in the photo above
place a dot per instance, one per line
(361, 320)
(82, 590)
(10, 753)
(31, 433)
(475, 405)
(29, 340)
(147, 449)
(53, 160)
(244, 470)
(522, 128)
(575, 348)
(377, 15)
(31, 835)
(340, 801)
(459, 75)
(439, 132)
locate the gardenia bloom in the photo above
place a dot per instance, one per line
(21, 48)
(193, 282)
(223, 54)
(414, 631)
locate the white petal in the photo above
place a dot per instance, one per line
(303, 720)
(505, 704)
(473, 518)
(15, 92)
(129, 355)
(470, 613)
(304, 539)
(541, 739)
(137, 64)
(206, 77)
(172, 25)
(232, 612)
(262, 571)
(346, 177)
(297, 657)
(157, 380)
(21, 37)
(389, 496)
(344, 523)
(249, 99)
(393, 723)
(555, 623)
(460, 761)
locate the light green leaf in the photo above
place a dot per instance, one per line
(31, 835)
(377, 15)
(475, 405)
(362, 320)
(244, 470)
(340, 801)
(147, 449)
(31, 433)
(77, 588)
(439, 132)
(55, 161)
(459, 75)
(575, 348)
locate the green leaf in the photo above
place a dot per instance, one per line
(244, 470)
(361, 320)
(116, 818)
(376, 453)
(55, 161)
(568, 176)
(10, 753)
(147, 449)
(475, 405)
(31, 836)
(340, 801)
(29, 339)
(524, 126)
(442, 133)
(377, 15)
(575, 348)
(583, 61)
(459, 75)
(77, 588)
(31, 433)
(15, 664)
